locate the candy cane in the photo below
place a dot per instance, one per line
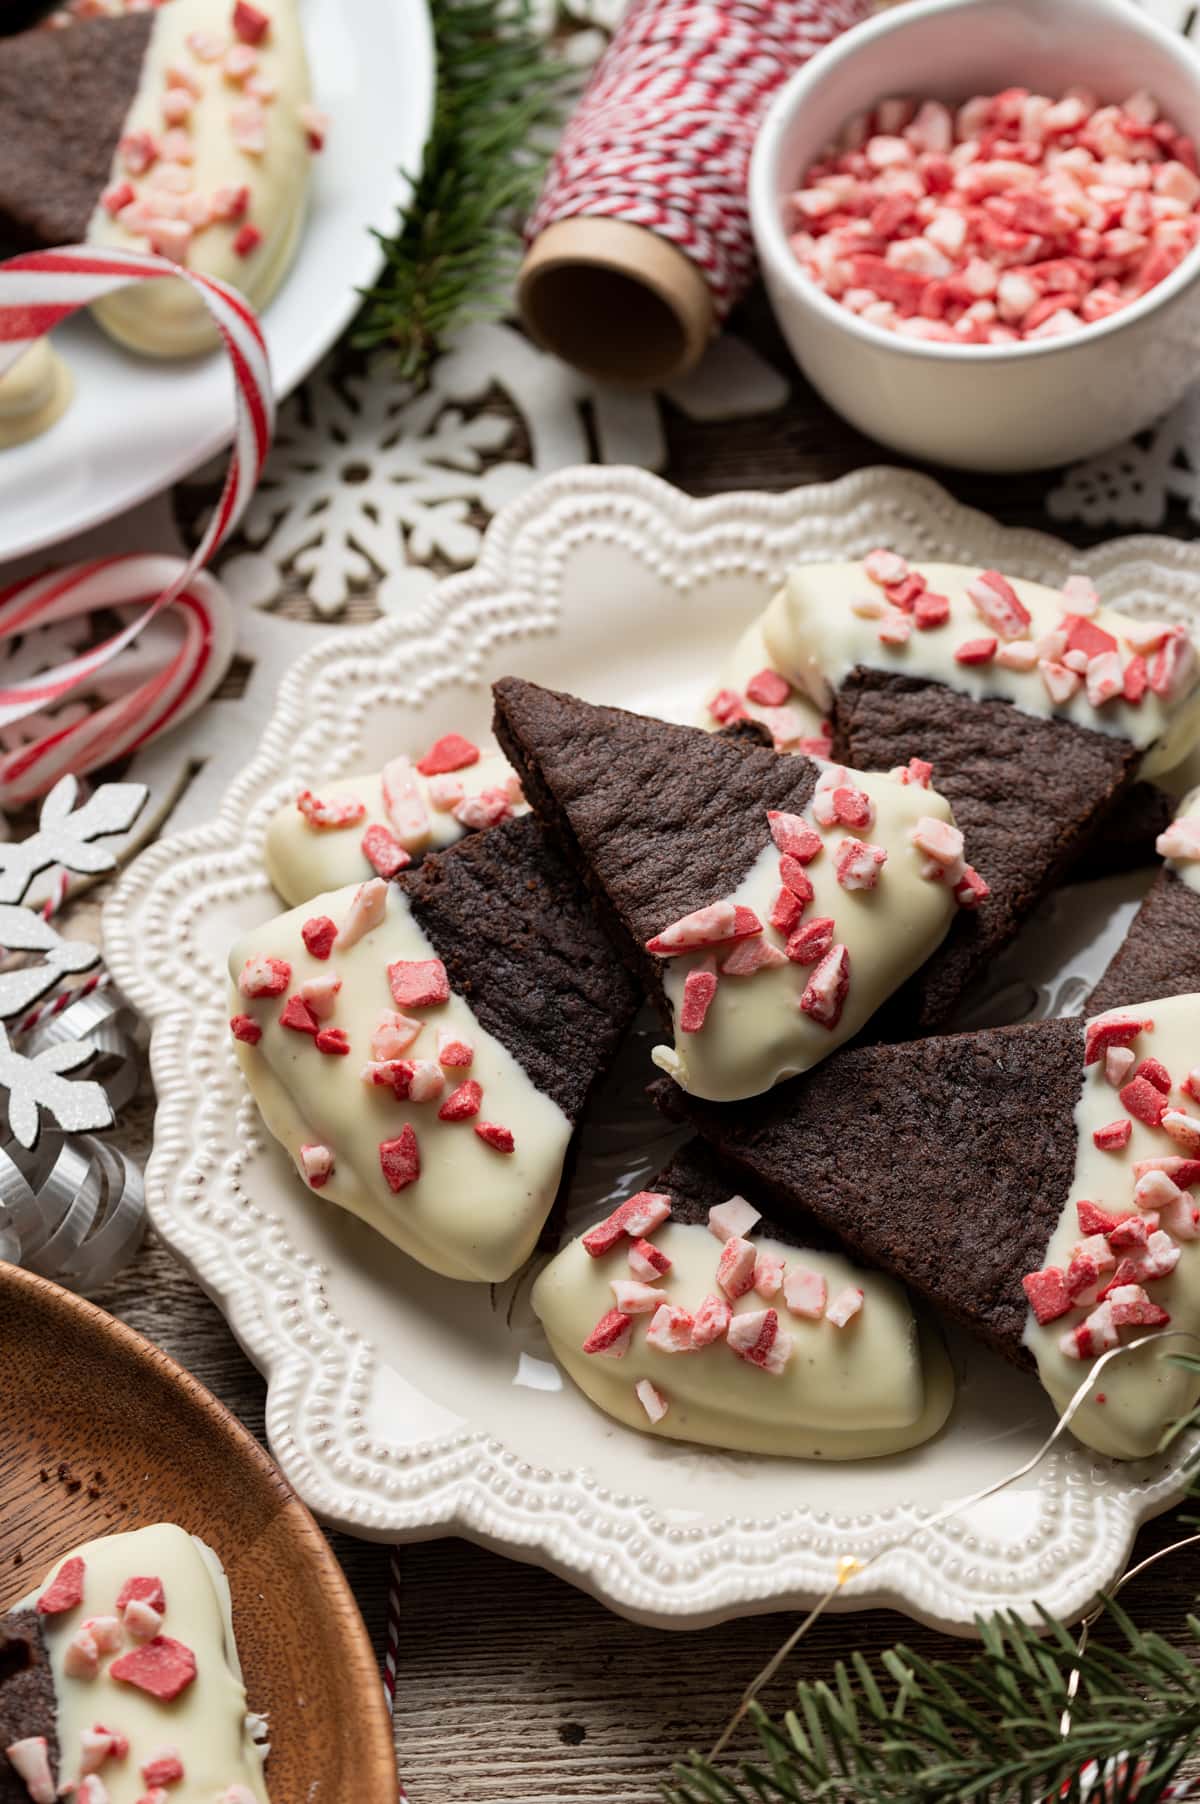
(37, 291)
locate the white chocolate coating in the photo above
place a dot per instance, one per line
(755, 1034)
(303, 860)
(1142, 1392)
(34, 393)
(877, 1386)
(815, 640)
(167, 319)
(473, 1213)
(207, 1723)
(748, 657)
(1188, 869)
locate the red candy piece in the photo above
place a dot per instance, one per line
(971, 890)
(163, 1667)
(793, 835)
(383, 852)
(297, 1015)
(451, 752)
(852, 807)
(999, 604)
(65, 1590)
(333, 1040)
(1096, 1221)
(787, 910)
(1116, 1030)
(793, 877)
(499, 1138)
(400, 1160)
(637, 1216)
(1154, 1073)
(250, 23)
(246, 241)
(418, 982)
(611, 1333)
(165, 1769)
(316, 812)
(246, 1029)
(930, 611)
(1144, 1101)
(1137, 1311)
(769, 689)
(1113, 1136)
(809, 943)
(462, 1103)
(143, 1591)
(1135, 679)
(318, 934)
(1047, 1293)
(975, 651)
(699, 988)
(906, 593)
(825, 992)
(726, 706)
(1085, 636)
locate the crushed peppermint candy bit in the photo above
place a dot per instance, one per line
(417, 1080)
(250, 23)
(842, 805)
(333, 1040)
(858, 864)
(450, 753)
(368, 905)
(634, 1297)
(318, 934)
(975, 651)
(633, 1219)
(824, 995)
(1156, 1073)
(263, 975)
(971, 889)
(490, 808)
(1104, 1031)
(1118, 1065)
(81, 1659)
(321, 994)
(670, 1329)
(651, 1399)
(648, 1262)
(500, 1139)
(164, 1668)
(317, 1163)
(30, 1760)
(297, 1015)
(733, 1219)
(400, 1160)
(795, 880)
(246, 1029)
(143, 1589)
(786, 910)
(163, 1768)
(464, 1103)
(1181, 840)
(106, 1632)
(768, 688)
(418, 982)
(998, 605)
(749, 956)
(1143, 1101)
(699, 989)
(404, 803)
(1047, 1293)
(1183, 1128)
(793, 835)
(1113, 1136)
(845, 1306)
(735, 1267)
(453, 1050)
(805, 1292)
(65, 1590)
(712, 925)
(942, 843)
(711, 1321)
(756, 1337)
(99, 1745)
(142, 1620)
(383, 852)
(810, 942)
(611, 1335)
(768, 1274)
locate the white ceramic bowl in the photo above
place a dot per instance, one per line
(987, 407)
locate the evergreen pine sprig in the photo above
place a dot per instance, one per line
(985, 1731)
(500, 92)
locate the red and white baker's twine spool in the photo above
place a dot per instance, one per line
(663, 134)
(37, 291)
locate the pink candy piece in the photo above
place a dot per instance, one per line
(263, 975)
(250, 23)
(462, 1104)
(381, 849)
(404, 803)
(345, 811)
(805, 1292)
(651, 1400)
(885, 567)
(489, 808)
(318, 934)
(633, 1297)
(768, 688)
(367, 908)
(321, 994)
(164, 1668)
(940, 841)
(749, 956)
(768, 1274)
(712, 925)
(106, 1632)
(1113, 1136)
(65, 1590)
(975, 651)
(845, 1306)
(400, 1160)
(711, 1321)
(30, 1760)
(418, 982)
(142, 1620)
(81, 1660)
(735, 1267)
(756, 1337)
(699, 989)
(453, 1050)
(1118, 1063)
(1120, 1028)
(163, 1768)
(417, 1080)
(998, 604)
(648, 1262)
(634, 1219)
(793, 835)
(733, 1219)
(611, 1335)
(393, 1035)
(825, 993)
(317, 1163)
(858, 864)
(501, 1139)
(670, 1329)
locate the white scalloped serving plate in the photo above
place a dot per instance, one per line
(402, 1405)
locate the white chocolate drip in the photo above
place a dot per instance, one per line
(208, 1722)
(881, 1384)
(755, 1034)
(34, 393)
(303, 860)
(1142, 1392)
(814, 639)
(473, 1213)
(168, 319)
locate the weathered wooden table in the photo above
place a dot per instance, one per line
(513, 1687)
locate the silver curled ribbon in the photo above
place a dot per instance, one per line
(73, 1208)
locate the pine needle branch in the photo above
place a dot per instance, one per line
(500, 92)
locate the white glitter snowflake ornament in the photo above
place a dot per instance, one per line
(40, 1084)
(65, 834)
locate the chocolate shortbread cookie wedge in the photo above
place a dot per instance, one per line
(1034, 1183)
(1160, 955)
(769, 905)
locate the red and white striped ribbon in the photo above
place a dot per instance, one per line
(37, 291)
(663, 134)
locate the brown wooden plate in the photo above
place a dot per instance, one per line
(100, 1432)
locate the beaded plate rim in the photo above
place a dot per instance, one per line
(618, 1547)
